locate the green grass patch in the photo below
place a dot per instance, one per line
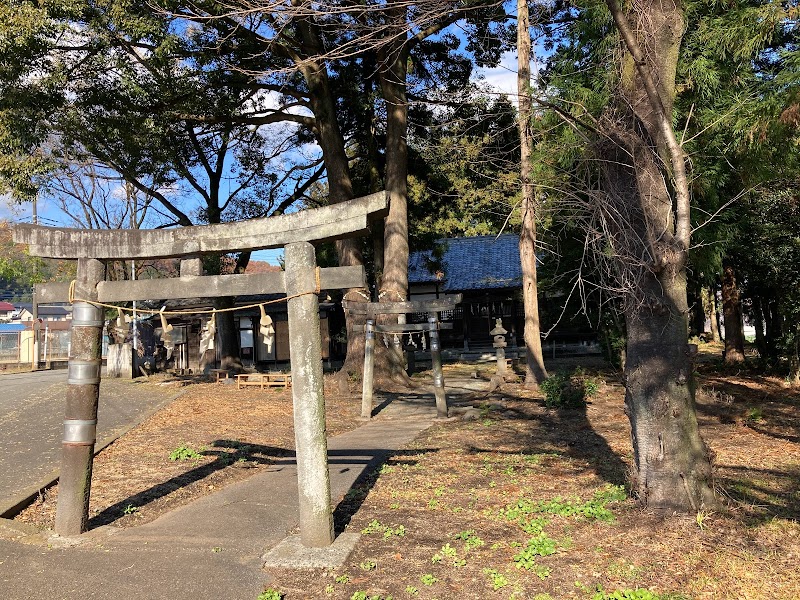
(539, 545)
(594, 509)
(388, 531)
(184, 452)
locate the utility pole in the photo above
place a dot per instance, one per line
(34, 304)
(134, 225)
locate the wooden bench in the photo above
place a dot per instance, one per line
(220, 374)
(264, 380)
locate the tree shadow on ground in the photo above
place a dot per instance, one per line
(762, 405)
(412, 400)
(566, 432)
(770, 409)
(763, 493)
(227, 452)
(355, 496)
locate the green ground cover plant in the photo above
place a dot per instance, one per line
(184, 452)
(569, 390)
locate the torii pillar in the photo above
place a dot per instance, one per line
(83, 393)
(305, 350)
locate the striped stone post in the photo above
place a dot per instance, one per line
(83, 392)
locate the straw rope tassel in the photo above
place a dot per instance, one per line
(165, 327)
(212, 324)
(266, 328)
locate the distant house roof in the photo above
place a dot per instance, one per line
(472, 263)
(6, 307)
(46, 310)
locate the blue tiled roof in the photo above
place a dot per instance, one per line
(11, 327)
(473, 263)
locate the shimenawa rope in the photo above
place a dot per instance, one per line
(73, 299)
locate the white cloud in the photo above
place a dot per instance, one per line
(503, 78)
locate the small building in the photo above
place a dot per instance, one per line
(6, 311)
(52, 330)
(191, 345)
(18, 340)
(16, 343)
(487, 271)
(46, 312)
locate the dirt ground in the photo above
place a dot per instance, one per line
(524, 502)
(211, 436)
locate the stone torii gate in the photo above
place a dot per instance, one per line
(301, 283)
(432, 308)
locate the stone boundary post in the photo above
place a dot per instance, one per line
(369, 370)
(436, 366)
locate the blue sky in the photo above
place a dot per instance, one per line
(51, 215)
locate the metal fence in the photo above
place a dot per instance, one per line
(53, 345)
(57, 346)
(9, 346)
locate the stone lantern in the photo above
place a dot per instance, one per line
(499, 335)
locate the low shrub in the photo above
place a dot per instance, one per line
(565, 390)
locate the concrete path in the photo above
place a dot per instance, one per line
(31, 426)
(209, 549)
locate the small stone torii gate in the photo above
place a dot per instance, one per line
(301, 283)
(432, 308)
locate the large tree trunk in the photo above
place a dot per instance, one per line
(340, 186)
(227, 335)
(732, 311)
(374, 168)
(672, 465)
(394, 283)
(672, 470)
(535, 372)
(773, 325)
(758, 318)
(697, 311)
(794, 358)
(392, 73)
